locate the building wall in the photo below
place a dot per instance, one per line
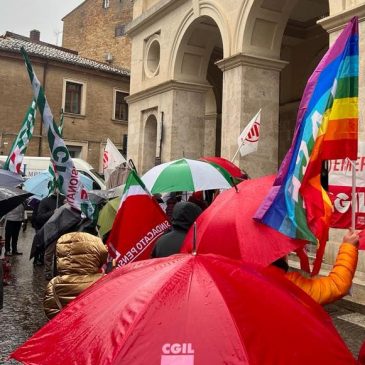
(90, 30)
(89, 131)
(171, 43)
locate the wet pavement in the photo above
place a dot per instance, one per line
(23, 315)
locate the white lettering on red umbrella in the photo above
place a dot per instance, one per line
(177, 354)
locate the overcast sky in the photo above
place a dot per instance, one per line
(21, 16)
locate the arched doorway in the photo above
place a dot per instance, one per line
(304, 44)
(149, 143)
(200, 48)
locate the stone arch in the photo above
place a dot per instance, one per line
(261, 26)
(207, 10)
(149, 144)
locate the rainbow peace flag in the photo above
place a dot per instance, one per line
(326, 129)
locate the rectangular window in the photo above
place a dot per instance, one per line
(120, 106)
(105, 4)
(73, 97)
(120, 30)
(75, 151)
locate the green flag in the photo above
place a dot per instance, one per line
(67, 175)
(19, 147)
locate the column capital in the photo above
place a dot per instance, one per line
(338, 21)
(166, 87)
(243, 59)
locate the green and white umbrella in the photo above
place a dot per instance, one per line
(185, 175)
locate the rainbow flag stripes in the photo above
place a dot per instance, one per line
(326, 128)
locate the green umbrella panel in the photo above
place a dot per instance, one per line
(107, 215)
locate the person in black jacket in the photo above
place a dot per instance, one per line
(184, 215)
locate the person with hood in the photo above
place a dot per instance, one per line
(80, 257)
(337, 283)
(184, 215)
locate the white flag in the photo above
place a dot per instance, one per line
(249, 138)
(112, 158)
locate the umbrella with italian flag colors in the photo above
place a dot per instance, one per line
(185, 175)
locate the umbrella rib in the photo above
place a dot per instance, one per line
(227, 309)
(146, 306)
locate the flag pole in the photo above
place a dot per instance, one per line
(243, 142)
(353, 202)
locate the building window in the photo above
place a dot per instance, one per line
(74, 97)
(120, 30)
(106, 4)
(75, 151)
(120, 106)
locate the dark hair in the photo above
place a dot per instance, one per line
(281, 264)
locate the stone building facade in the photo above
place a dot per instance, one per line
(201, 69)
(89, 92)
(96, 29)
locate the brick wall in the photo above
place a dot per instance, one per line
(90, 30)
(93, 129)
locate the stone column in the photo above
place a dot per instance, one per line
(183, 107)
(334, 25)
(251, 83)
(210, 127)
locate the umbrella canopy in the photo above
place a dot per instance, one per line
(10, 179)
(64, 220)
(187, 309)
(11, 198)
(38, 184)
(229, 166)
(185, 175)
(107, 215)
(226, 227)
(97, 195)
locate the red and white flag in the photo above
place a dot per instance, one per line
(112, 158)
(137, 225)
(249, 138)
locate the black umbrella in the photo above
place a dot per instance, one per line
(64, 219)
(11, 198)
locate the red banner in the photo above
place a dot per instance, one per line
(340, 191)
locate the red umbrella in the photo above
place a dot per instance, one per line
(187, 309)
(226, 228)
(233, 170)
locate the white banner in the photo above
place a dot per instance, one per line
(339, 189)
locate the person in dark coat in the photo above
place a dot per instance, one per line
(184, 215)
